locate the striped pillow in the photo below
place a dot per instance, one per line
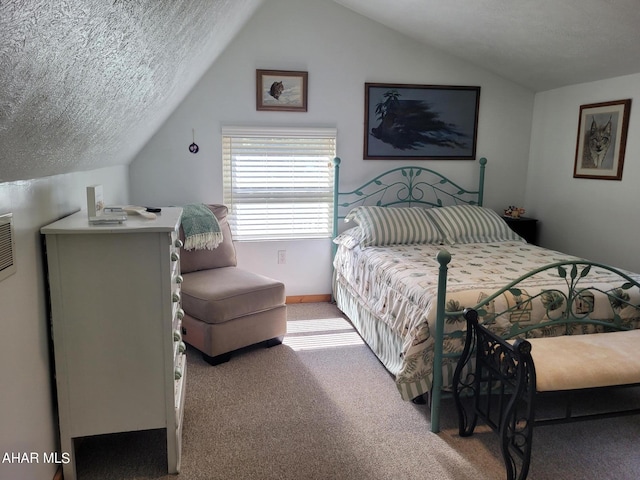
(394, 226)
(471, 224)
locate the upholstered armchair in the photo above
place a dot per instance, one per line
(227, 308)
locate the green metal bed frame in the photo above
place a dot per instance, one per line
(414, 185)
(410, 186)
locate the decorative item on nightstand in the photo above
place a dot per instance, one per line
(513, 212)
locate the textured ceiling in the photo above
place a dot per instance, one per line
(541, 44)
(85, 83)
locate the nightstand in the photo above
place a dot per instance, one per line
(526, 227)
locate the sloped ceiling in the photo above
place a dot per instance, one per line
(84, 84)
(541, 44)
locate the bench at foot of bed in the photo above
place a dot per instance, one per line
(508, 376)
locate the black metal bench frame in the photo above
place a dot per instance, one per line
(501, 391)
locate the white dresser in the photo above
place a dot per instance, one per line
(115, 303)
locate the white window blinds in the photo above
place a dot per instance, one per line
(278, 182)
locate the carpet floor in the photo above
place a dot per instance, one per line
(321, 406)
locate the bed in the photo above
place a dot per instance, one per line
(418, 249)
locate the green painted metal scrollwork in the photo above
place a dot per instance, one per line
(407, 185)
(566, 310)
(570, 307)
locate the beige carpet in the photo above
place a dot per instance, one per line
(322, 407)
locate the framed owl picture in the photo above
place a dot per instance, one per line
(281, 90)
(602, 139)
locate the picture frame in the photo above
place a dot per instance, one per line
(602, 140)
(95, 201)
(281, 90)
(420, 122)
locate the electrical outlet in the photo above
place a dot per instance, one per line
(282, 256)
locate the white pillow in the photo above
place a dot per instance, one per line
(394, 226)
(349, 238)
(471, 224)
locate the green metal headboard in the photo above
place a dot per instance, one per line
(408, 185)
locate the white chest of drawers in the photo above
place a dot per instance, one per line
(115, 304)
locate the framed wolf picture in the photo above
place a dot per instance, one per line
(420, 122)
(602, 139)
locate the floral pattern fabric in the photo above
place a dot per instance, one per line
(397, 286)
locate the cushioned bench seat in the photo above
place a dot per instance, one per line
(572, 362)
(506, 378)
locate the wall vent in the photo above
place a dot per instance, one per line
(7, 246)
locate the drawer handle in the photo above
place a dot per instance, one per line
(177, 374)
(180, 314)
(174, 257)
(178, 243)
(175, 297)
(182, 347)
(176, 336)
(179, 279)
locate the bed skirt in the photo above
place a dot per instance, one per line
(382, 341)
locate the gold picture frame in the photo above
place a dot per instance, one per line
(602, 140)
(281, 90)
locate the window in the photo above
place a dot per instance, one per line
(278, 182)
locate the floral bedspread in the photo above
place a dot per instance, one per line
(398, 286)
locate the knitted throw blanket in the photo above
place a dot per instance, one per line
(201, 228)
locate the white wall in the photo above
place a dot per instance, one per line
(341, 51)
(27, 421)
(596, 219)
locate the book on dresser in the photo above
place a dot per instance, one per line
(115, 322)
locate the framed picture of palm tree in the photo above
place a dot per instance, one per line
(420, 122)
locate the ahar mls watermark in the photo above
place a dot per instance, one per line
(36, 457)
